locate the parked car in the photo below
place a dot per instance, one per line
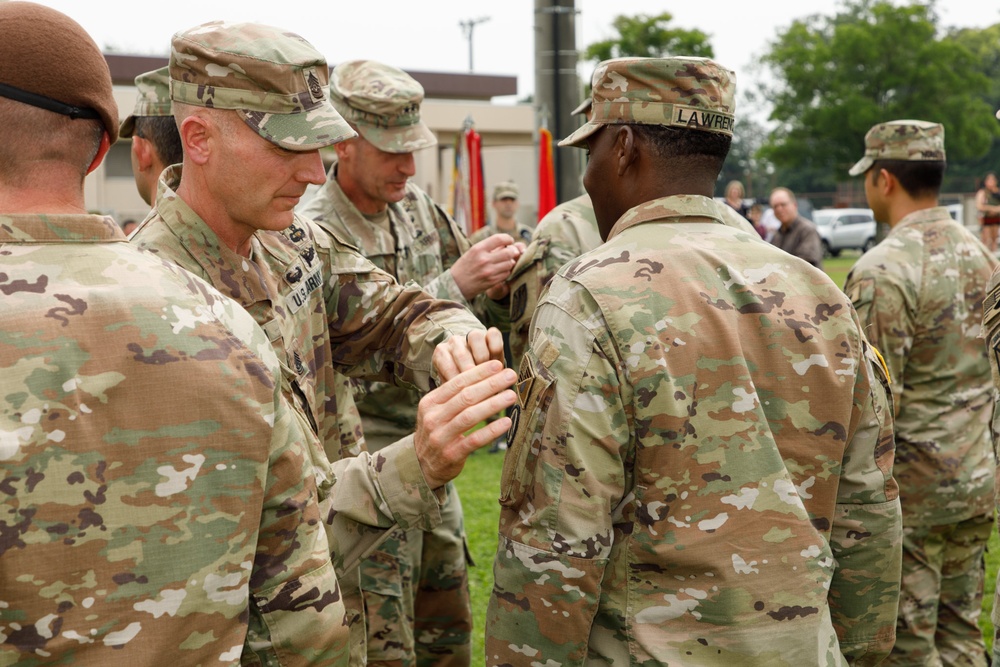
(845, 229)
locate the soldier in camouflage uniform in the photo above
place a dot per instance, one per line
(919, 295)
(565, 233)
(416, 585)
(504, 221)
(250, 150)
(701, 460)
(156, 144)
(158, 501)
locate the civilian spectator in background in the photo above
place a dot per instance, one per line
(755, 215)
(988, 209)
(797, 235)
(734, 197)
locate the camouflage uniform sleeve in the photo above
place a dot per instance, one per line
(866, 536)
(380, 490)
(529, 277)
(379, 329)
(296, 613)
(454, 244)
(886, 309)
(562, 480)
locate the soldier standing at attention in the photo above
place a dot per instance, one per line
(701, 459)
(505, 205)
(919, 294)
(252, 110)
(416, 585)
(156, 144)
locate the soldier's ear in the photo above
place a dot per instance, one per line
(625, 148)
(195, 131)
(142, 150)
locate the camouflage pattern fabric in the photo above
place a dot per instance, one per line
(159, 502)
(702, 95)
(909, 140)
(701, 461)
(941, 595)
(383, 103)
(152, 99)
(991, 331)
(273, 78)
(328, 312)
(920, 295)
(521, 233)
(419, 244)
(565, 233)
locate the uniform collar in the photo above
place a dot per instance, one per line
(932, 214)
(61, 228)
(665, 209)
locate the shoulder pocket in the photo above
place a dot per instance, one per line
(535, 388)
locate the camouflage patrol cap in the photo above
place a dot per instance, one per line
(584, 107)
(152, 98)
(273, 78)
(505, 190)
(917, 140)
(383, 103)
(689, 93)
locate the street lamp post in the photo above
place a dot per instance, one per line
(467, 27)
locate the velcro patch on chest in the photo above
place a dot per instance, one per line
(299, 296)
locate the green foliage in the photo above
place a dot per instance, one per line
(479, 488)
(837, 76)
(649, 36)
(962, 175)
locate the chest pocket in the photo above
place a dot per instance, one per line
(535, 390)
(420, 259)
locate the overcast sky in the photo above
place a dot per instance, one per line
(426, 35)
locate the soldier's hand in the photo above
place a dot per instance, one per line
(460, 353)
(486, 264)
(445, 414)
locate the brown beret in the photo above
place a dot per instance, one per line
(48, 60)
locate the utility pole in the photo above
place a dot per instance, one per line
(467, 27)
(557, 86)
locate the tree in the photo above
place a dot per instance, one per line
(963, 174)
(649, 36)
(835, 77)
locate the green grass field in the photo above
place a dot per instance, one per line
(479, 485)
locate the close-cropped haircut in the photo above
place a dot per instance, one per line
(920, 178)
(704, 150)
(161, 131)
(29, 135)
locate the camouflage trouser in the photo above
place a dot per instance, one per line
(416, 591)
(941, 592)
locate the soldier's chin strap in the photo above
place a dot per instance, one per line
(47, 103)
